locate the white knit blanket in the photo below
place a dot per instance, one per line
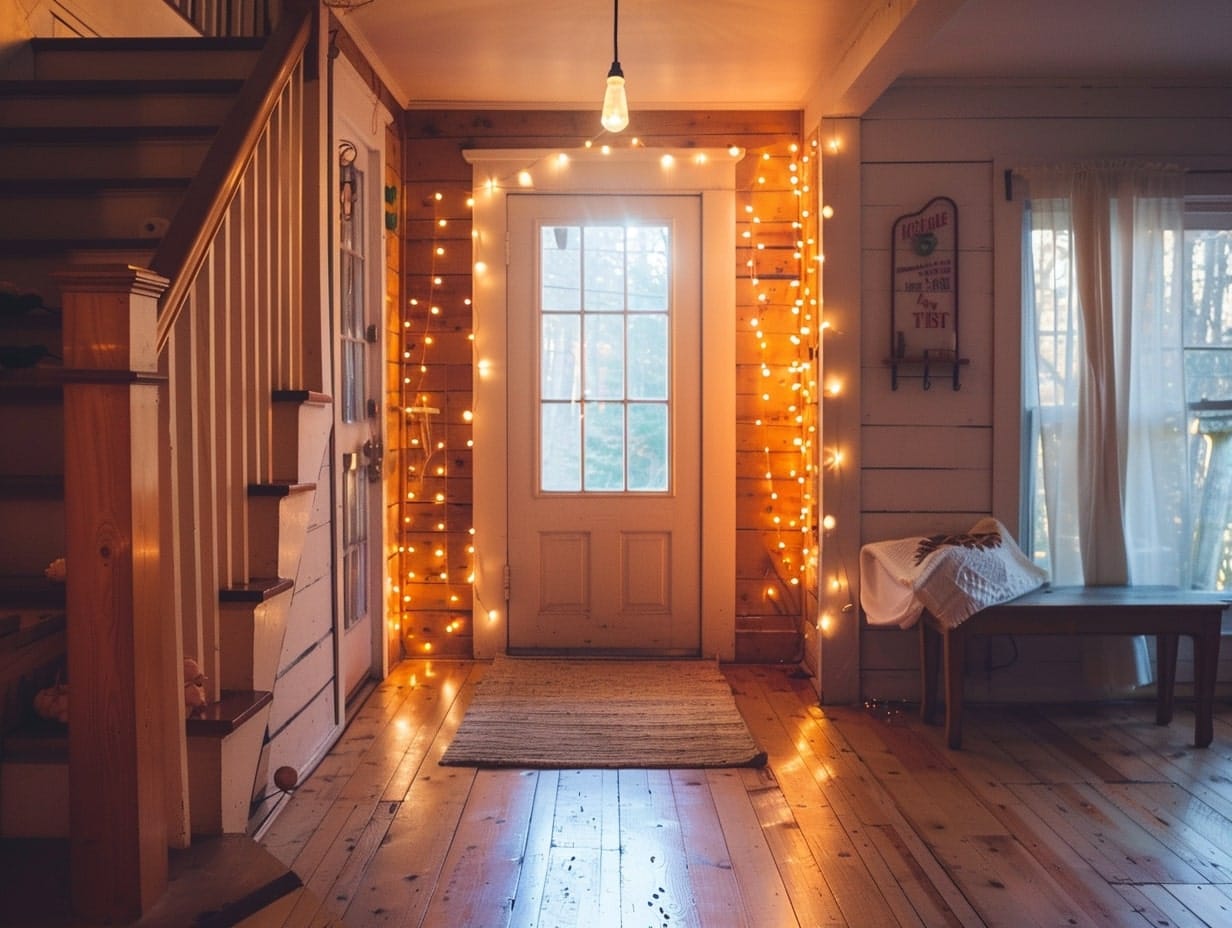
(952, 576)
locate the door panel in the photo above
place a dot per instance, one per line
(357, 436)
(604, 410)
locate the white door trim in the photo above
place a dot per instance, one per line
(708, 173)
(356, 120)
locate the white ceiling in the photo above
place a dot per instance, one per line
(829, 56)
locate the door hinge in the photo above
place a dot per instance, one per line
(506, 250)
(508, 580)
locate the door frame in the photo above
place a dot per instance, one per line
(353, 120)
(707, 173)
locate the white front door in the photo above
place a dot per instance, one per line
(357, 431)
(604, 413)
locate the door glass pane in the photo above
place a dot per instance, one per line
(559, 347)
(604, 268)
(351, 297)
(648, 446)
(605, 358)
(561, 263)
(354, 541)
(605, 447)
(648, 268)
(648, 356)
(561, 452)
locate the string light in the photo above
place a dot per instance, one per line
(775, 251)
(779, 255)
(430, 434)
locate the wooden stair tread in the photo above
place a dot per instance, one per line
(42, 187)
(20, 626)
(150, 43)
(42, 741)
(307, 397)
(233, 709)
(256, 590)
(28, 247)
(84, 134)
(53, 86)
(37, 741)
(280, 488)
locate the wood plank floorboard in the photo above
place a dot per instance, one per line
(1050, 815)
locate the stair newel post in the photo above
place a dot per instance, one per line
(123, 678)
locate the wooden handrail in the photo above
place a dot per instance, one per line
(184, 248)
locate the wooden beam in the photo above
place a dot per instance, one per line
(876, 53)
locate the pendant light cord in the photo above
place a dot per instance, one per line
(615, 20)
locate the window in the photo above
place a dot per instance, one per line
(604, 371)
(351, 292)
(1208, 383)
(1128, 378)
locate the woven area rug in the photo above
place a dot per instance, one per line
(573, 714)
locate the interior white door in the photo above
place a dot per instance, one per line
(357, 435)
(604, 450)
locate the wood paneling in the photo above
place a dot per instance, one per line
(436, 184)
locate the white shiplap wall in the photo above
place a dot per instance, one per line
(937, 460)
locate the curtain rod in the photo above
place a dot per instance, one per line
(1009, 177)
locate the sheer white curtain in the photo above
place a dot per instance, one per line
(1104, 382)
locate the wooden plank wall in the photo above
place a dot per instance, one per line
(938, 460)
(435, 542)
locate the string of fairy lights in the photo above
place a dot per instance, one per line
(781, 258)
(782, 273)
(424, 548)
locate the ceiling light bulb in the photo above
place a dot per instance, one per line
(615, 103)
(615, 115)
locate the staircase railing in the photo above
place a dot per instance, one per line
(169, 381)
(228, 17)
(231, 332)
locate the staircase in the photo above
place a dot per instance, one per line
(162, 430)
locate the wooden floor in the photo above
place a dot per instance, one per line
(1046, 817)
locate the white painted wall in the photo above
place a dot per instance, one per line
(938, 460)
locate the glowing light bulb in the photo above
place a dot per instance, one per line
(615, 115)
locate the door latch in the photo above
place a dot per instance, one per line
(374, 451)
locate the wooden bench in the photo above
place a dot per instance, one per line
(1165, 612)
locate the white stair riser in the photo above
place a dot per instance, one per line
(221, 772)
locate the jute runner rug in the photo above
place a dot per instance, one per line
(548, 713)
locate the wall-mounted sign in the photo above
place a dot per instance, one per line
(924, 292)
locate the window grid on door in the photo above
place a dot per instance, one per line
(354, 541)
(604, 358)
(351, 280)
